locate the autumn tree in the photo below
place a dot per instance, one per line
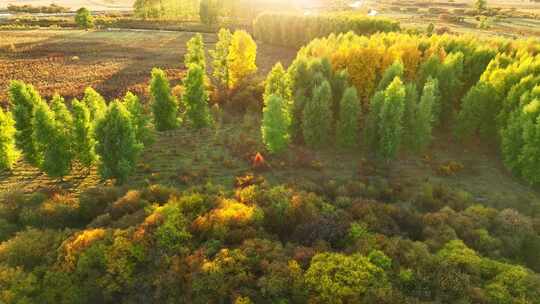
(164, 105)
(8, 152)
(275, 124)
(219, 57)
(117, 145)
(141, 121)
(195, 52)
(24, 99)
(317, 116)
(83, 134)
(241, 58)
(196, 98)
(348, 121)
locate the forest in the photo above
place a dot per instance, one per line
(292, 176)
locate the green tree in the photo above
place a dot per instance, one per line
(450, 82)
(277, 83)
(196, 98)
(84, 141)
(24, 99)
(242, 58)
(117, 145)
(219, 57)
(317, 116)
(371, 129)
(390, 120)
(84, 18)
(349, 115)
(96, 104)
(409, 115)
(395, 70)
(423, 124)
(164, 105)
(8, 152)
(275, 124)
(53, 130)
(195, 52)
(141, 121)
(336, 278)
(478, 113)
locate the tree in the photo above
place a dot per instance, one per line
(195, 52)
(117, 146)
(8, 152)
(196, 98)
(84, 18)
(24, 99)
(219, 57)
(371, 130)
(53, 130)
(336, 278)
(395, 70)
(317, 116)
(277, 83)
(422, 125)
(242, 58)
(390, 120)
(450, 82)
(478, 113)
(209, 11)
(84, 141)
(141, 121)
(96, 104)
(164, 105)
(275, 124)
(409, 115)
(347, 125)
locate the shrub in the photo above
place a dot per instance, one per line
(8, 152)
(24, 99)
(117, 146)
(241, 58)
(347, 125)
(196, 98)
(164, 105)
(84, 18)
(275, 124)
(317, 117)
(337, 278)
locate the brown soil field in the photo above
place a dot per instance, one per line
(67, 61)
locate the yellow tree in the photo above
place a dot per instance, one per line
(241, 58)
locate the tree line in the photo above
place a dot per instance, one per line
(52, 136)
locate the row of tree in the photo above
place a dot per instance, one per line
(52, 138)
(327, 106)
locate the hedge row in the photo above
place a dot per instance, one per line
(296, 29)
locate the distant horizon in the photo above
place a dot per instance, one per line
(75, 4)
